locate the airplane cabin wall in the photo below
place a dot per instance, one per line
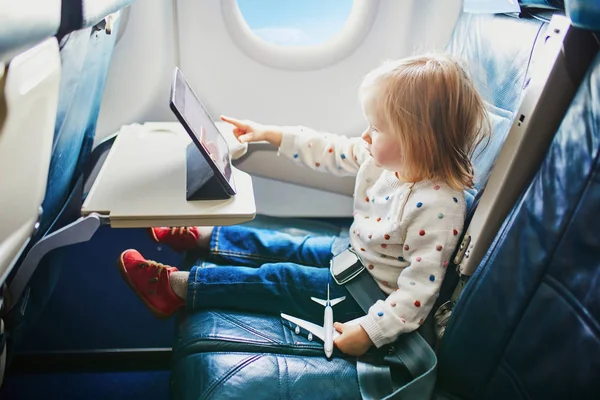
(191, 34)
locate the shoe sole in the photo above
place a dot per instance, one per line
(157, 313)
(152, 235)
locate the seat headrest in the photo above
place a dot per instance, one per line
(584, 14)
(547, 4)
(25, 23)
(497, 50)
(79, 14)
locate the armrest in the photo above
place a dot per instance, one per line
(261, 159)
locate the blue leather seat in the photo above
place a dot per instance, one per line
(584, 14)
(498, 62)
(86, 48)
(527, 325)
(231, 354)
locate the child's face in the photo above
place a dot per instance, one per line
(383, 145)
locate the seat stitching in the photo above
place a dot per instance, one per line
(219, 381)
(246, 328)
(278, 376)
(579, 309)
(514, 379)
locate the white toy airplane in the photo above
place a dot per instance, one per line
(326, 333)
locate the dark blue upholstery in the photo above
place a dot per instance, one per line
(528, 323)
(584, 13)
(230, 355)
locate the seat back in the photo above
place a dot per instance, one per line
(29, 82)
(29, 87)
(498, 50)
(527, 323)
(566, 54)
(86, 51)
(87, 34)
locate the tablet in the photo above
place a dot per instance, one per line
(199, 125)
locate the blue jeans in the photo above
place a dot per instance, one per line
(265, 271)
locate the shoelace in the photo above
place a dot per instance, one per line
(180, 230)
(153, 264)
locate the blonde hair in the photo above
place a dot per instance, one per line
(434, 107)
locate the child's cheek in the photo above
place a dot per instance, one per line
(390, 158)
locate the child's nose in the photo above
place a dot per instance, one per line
(366, 136)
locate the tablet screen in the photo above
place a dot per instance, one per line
(202, 126)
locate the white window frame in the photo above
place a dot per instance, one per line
(341, 45)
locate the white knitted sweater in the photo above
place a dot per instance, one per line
(404, 233)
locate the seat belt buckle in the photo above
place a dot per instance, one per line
(441, 318)
(345, 266)
(463, 250)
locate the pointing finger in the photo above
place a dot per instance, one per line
(232, 121)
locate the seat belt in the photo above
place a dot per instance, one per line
(411, 350)
(559, 69)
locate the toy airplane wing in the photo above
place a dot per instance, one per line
(315, 329)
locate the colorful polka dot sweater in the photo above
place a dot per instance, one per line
(405, 233)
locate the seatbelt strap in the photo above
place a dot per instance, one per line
(374, 381)
(364, 290)
(410, 349)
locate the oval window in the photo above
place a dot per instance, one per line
(295, 22)
(298, 34)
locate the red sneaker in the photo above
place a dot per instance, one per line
(179, 239)
(150, 281)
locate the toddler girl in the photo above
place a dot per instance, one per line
(412, 164)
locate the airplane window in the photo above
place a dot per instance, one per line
(295, 22)
(298, 34)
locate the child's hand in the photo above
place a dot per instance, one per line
(353, 340)
(247, 131)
